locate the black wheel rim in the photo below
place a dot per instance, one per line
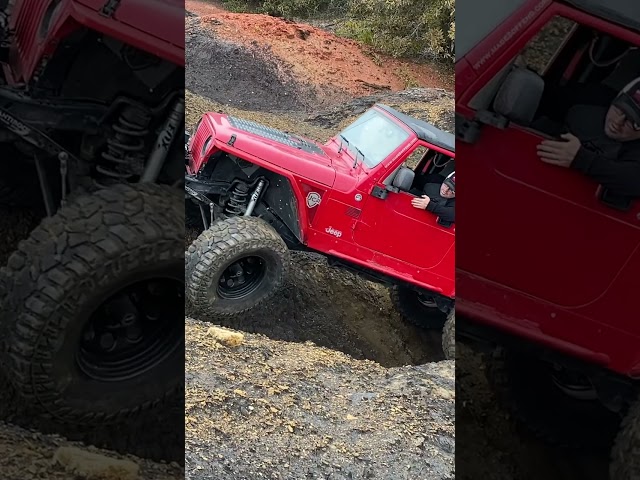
(242, 278)
(132, 331)
(573, 384)
(426, 301)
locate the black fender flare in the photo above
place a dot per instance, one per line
(282, 202)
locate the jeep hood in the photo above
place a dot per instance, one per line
(299, 155)
(160, 23)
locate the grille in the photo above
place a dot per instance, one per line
(28, 17)
(353, 212)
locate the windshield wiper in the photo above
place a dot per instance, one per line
(343, 139)
(356, 159)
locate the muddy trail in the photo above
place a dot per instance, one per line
(335, 309)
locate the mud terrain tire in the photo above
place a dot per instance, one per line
(63, 273)
(407, 302)
(217, 250)
(449, 337)
(524, 387)
(625, 454)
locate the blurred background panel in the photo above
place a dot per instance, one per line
(547, 129)
(92, 222)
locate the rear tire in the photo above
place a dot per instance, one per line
(415, 308)
(525, 387)
(68, 288)
(235, 266)
(449, 336)
(625, 454)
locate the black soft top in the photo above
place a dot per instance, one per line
(622, 12)
(425, 131)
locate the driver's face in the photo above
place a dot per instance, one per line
(618, 127)
(446, 192)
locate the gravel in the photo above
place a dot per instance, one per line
(276, 409)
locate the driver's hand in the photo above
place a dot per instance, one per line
(421, 203)
(560, 153)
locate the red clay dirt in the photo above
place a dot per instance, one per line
(317, 56)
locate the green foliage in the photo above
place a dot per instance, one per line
(302, 8)
(241, 6)
(403, 27)
(288, 8)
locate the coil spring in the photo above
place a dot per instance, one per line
(122, 158)
(237, 200)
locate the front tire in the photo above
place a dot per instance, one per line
(235, 266)
(417, 308)
(93, 306)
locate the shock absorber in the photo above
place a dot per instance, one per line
(254, 198)
(237, 200)
(123, 157)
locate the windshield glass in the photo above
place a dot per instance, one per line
(373, 136)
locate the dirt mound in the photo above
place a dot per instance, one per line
(270, 409)
(341, 311)
(226, 73)
(335, 68)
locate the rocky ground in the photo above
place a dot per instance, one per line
(277, 409)
(30, 455)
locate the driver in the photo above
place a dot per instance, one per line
(604, 144)
(438, 196)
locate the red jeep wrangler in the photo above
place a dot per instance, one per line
(550, 266)
(262, 192)
(92, 111)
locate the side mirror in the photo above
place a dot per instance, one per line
(519, 96)
(402, 181)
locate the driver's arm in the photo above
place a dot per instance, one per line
(446, 213)
(621, 176)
